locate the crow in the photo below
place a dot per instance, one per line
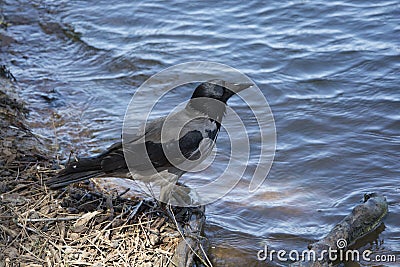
(165, 148)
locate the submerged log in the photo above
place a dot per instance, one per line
(363, 219)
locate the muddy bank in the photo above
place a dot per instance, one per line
(18, 144)
(79, 225)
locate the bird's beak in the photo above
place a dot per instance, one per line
(237, 87)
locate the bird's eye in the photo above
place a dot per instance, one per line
(218, 91)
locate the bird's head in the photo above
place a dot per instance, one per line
(210, 97)
(219, 90)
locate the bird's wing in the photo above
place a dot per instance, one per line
(145, 151)
(149, 156)
(113, 160)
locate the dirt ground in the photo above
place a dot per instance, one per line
(80, 225)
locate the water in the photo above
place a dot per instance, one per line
(328, 69)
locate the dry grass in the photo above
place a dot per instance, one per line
(79, 227)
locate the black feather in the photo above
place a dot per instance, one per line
(80, 170)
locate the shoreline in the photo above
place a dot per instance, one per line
(79, 225)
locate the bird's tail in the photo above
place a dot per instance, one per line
(77, 171)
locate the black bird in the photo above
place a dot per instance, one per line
(164, 150)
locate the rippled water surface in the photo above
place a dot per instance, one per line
(329, 69)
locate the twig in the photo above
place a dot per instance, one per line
(53, 219)
(134, 211)
(16, 178)
(31, 253)
(27, 228)
(159, 250)
(98, 249)
(123, 192)
(22, 186)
